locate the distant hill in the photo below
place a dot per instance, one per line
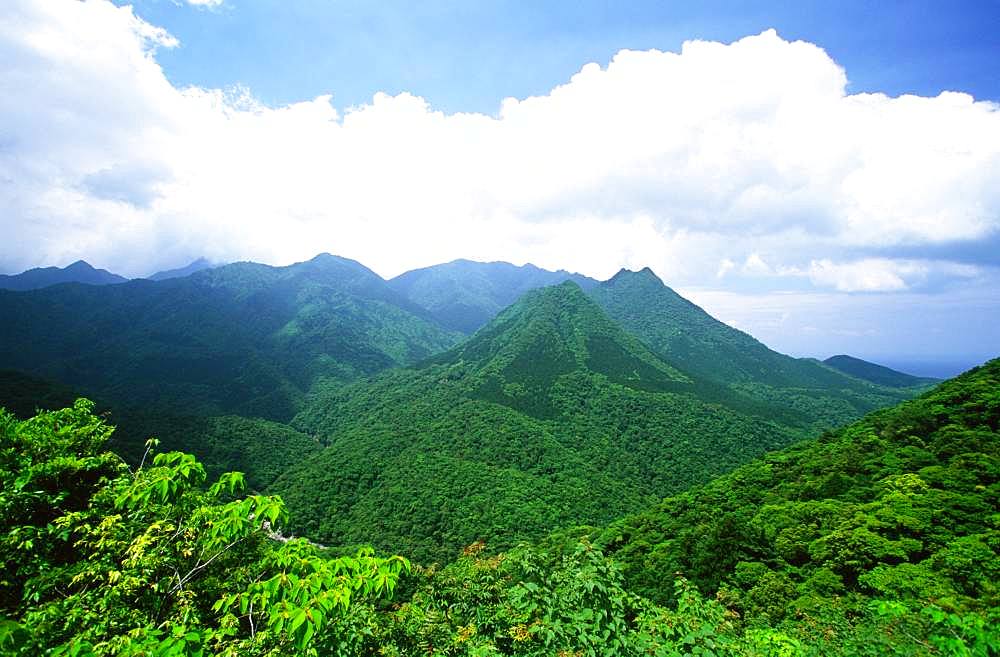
(464, 295)
(180, 272)
(551, 415)
(78, 272)
(244, 339)
(878, 374)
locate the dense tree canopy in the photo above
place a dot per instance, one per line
(102, 560)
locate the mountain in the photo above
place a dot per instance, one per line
(551, 415)
(874, 373)
(244, 339)
(40, 277)
(693, 341)
(464, 295)
(899, 509)
(180, 272)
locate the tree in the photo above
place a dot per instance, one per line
(101, 560)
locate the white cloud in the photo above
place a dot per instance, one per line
(872, 275)
(725, 266)
(883, 274)
(755, 266)
(205, 3)
(680, 161)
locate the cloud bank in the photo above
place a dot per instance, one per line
(722, 162)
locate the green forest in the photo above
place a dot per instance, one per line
(881, 538)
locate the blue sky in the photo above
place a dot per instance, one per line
(825, 176)
(468, 56)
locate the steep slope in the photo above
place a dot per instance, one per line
(180, 272)
(40, 277)
(877, 374)
(245, 338)
(551, 415)
(693, 341)
(899, 507)
(464, 295)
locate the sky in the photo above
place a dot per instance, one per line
(824, 176)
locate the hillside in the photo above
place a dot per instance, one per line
(242, 339)
(464, 295)
(40, 277)
(877, 374)
(550, 415)
(693, 341)
(901, 506)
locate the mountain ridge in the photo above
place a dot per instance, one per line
(179, 272)
(242, 338)
(41, 277)
(875, 373)
(465, 294)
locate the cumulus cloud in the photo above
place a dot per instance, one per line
(747, 152)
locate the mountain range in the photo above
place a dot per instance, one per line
(85, 273)
(78, 272)
(453, 403)
(575, 464)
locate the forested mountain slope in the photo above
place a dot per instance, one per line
(78, 272)
(693, 341)
(878, 374)
(259, 448)
(900, 506)
(243, 339)
(464, 295)
(550, 415)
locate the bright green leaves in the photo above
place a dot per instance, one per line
(101, 561)
(172, 474)
(228, 483)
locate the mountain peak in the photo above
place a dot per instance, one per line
(548, 333)
(644, 275)
(79, 265)
(77, 272)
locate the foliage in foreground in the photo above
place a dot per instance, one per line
(100, 560)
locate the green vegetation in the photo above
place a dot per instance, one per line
(551, 415)
(892, 522)
(685, 336)
(881, 538)
(243, 339)
(78, 272)
(101, 560)
(569, 411)
(463, 295)
(877, 374)
(259, 448)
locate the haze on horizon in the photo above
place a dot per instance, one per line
(745, 168)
